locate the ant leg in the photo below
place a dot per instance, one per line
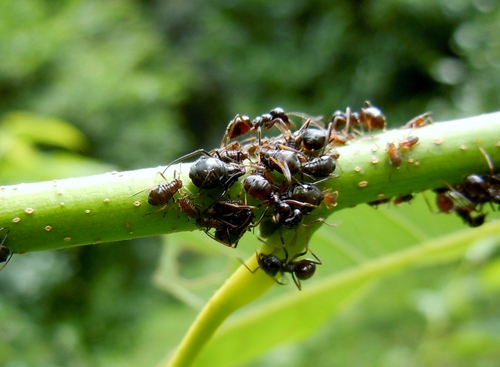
(189, 155)
(5, 250)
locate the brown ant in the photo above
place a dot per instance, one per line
(369, 116)
(5, 254)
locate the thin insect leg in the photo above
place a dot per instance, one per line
(186, 156)
(5, 249)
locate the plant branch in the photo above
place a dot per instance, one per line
(103, 208)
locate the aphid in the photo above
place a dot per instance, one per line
(300, 269)
(5, 254)
(394, 155)
(162, 193)
(407, 143)
(330, 199)
(418, 121)
(188, 207)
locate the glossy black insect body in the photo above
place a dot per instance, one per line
(304, 193)
(230, 219)
(210, 173)
(301, 269)
(285, 161)
(322, 166)
(258, 187)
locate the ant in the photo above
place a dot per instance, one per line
(209, 173)
(302, 269)
(369, 116)
(281, 160)
(450, 199)
(241, 125)
(5, 254)
(230, 218)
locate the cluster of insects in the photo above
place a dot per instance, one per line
(281, 179)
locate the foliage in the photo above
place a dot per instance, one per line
(147, 81)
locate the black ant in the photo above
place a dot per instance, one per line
(302, 269)
(5, 254)
(241, 125)
(209, 173)
(230, 218)
(452, 200)
(281, 160)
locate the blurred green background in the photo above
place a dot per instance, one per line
(91, 86)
